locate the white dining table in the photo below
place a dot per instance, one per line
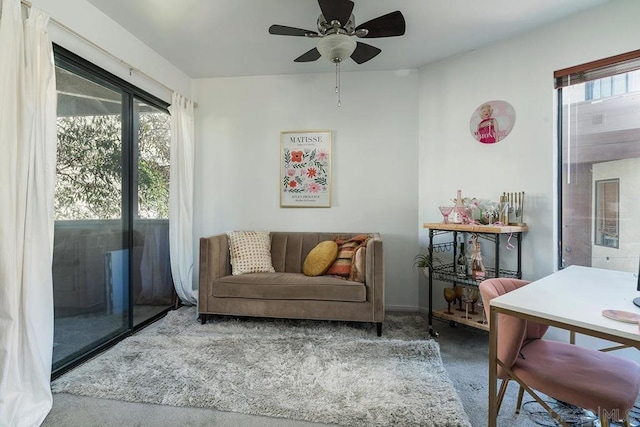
(573, 299)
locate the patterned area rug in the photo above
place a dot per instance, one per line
(329, 372)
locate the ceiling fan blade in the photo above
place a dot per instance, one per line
(338, 10)
(389, 25)
(308, 56)
(282, 30)
(364, 52)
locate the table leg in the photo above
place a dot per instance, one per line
(493, 354)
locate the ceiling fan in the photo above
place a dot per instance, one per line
(336, 28)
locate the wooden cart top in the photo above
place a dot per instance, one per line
(476, 228)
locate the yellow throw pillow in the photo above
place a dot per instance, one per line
(320, 258)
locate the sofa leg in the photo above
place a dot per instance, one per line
(203, 318)
(379, 328)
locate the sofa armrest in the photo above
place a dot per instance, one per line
(214, 263)
(374, 276)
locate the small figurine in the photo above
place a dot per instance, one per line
(477, 266)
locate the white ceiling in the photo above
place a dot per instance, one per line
(219, 38)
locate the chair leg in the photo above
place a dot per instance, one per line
(501, 392)
(605, 422)
(379, 328)
(520, 396)
(627, 423)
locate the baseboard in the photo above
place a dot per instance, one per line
(407, 309)
(402, 308)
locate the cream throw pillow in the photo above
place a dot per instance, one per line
(250, 252)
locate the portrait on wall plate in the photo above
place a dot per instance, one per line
(492, 121)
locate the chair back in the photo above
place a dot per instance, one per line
(511, 330)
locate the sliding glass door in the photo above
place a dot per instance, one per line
(152, 283)
(111, 269)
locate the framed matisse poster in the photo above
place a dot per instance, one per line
(305, 169)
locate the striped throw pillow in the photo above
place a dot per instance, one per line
(346, 250)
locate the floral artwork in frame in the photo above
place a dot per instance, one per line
(305, 169)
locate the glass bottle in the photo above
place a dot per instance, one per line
(461, 263)
(457, 216)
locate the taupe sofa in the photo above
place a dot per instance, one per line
(288, 293)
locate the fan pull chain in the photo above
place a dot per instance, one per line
(338, 83)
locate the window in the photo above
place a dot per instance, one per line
(606, 214)
(599, 161)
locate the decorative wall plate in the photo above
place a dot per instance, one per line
(492, 121)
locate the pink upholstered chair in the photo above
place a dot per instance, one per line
(606, 384)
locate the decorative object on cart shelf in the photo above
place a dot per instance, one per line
(461, 263)
(467, 298)
(449, 297)
(459, 296)
(460, 213)
(425, 262)
(445, 211)
(489, 212)
(474, 211)
(477, 265)
(515, 203)
(503, 210)
(492, 121)
(482, 321)
(475, 295)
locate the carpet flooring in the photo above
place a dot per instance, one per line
(463, 350)
(328, 372)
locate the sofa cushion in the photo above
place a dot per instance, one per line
(320, 258)
(346, 250)
(289, 286)
(250, 252)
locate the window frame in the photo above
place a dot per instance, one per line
(583, 73)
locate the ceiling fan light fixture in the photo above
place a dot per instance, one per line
(336, 47)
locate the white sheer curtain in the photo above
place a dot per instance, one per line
(181, 198)
(27, 176)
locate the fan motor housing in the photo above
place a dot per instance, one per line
(325, 27)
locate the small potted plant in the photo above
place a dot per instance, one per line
(424, 262)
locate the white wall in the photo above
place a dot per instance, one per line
(519, 71)
(83, 18)
(374, 165)
(401, 141)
